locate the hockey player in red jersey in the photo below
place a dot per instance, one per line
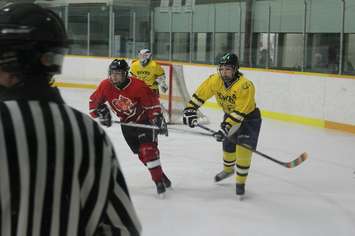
(132, 101)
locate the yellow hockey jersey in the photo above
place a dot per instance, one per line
(148, 73)
(238, 100)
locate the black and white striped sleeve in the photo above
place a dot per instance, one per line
(118, 216)
(119, 212)
(59, 174)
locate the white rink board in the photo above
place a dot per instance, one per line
(311, 96)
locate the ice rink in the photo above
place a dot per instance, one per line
(315, 198)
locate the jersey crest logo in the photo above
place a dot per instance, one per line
(124, 105)
(143, 74)
(227, 98)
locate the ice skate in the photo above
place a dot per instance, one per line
(160, 189)
(240, 191)
(222, 175)
(166, 181)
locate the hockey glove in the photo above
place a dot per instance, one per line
(160, 121)
(226, 131)
(104, 115)
(162, 83)
(190, 117)
(222, 133)
(163, 87)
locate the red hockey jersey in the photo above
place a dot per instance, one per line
(135, 102)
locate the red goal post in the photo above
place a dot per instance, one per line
(177, 96)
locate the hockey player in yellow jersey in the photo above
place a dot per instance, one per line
(149, 71)
(235, 94)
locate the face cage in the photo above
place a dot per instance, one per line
(227, 80)
(122, 72)
(51, 61)
(145, 58)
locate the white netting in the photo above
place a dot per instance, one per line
(177, 96)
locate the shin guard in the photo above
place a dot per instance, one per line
(242, 164)
(229, 161)
(149, 155)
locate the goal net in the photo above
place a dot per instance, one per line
(175, 99)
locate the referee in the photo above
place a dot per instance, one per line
(59, 174)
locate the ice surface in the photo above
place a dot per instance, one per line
(315, 198)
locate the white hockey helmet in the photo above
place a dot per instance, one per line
(144, 56)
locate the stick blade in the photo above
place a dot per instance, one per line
(296, 162)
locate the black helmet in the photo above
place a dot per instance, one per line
(230, 59)
(118, 64)
(33, 40)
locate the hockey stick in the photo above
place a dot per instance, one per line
(175, 129)
(137, 125)
(153, 127)
(291, 164)
(157, 128)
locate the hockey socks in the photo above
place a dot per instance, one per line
(243, 164)
(229, 161)
(228, 166)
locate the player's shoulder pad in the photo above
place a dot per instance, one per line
(214, 76)
(135, 80)
(138, 83)
(153, 63)
(104, 81)
(134, 61)
(133, 77)
(246, 84)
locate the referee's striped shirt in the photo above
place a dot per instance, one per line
(59, 174)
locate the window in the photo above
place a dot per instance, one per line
(86, 18)
(123, 37)
(323, 52)
(349, 54)
(202, 52)
(162, 46)
(181, 46)
(264, 55)
(78, 31)
(99, 30)
(290, 48)
(223, 44)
